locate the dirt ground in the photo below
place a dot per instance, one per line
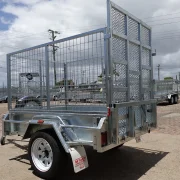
(156, 157)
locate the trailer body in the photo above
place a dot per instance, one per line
(104, 82)
(167, 90)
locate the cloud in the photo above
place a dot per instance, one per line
(75, 16)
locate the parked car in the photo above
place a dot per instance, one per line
(44, 97)
(4, 99)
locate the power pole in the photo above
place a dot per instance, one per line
(54, 52)
(3, 89)
(83, 73)
(158, 71)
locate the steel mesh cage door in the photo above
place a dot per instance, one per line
(131, 56)
(131, 61)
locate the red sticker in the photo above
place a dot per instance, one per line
(80, 162)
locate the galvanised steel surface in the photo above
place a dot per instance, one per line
(131, 63)
(79, 67)
(108, 67)
(165, 90)
(166, 86)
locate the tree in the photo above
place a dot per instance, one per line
(70, 84)
(168, 78)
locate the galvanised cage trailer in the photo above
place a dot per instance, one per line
(167, 90)
(119, 55)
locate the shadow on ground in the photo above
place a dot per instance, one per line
(164, 104)
(22, 158)
(14, 142)
(123, 163)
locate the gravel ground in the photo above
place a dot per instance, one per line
(156, 157)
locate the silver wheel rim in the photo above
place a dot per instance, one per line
(42, 155)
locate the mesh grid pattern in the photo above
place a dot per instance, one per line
(76, 72)
(119, 49)
(134, 57)
(23, 64)
(147, 95)
(145, 36)
(119, 96)
(81, 62)
(122, 111)
(119, 75)
(122, 127)
(119, 44)
(146, 78)
(149, 114)
(123, 122)
(133, 29)
(134, 87)
(118, 21)
(145, 57)
(138, 116)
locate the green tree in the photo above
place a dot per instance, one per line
(70, 84)
(168, 78)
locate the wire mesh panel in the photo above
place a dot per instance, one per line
(166, 86)
(123, 122)
(146, 57)
(145, 36)
(134, 55)
(131, 50)
(79, 68)
(28, 76)
(68, 74)
(118, 21)
(119, 49)
(146, 76)
(133, 28)
(134, 87)
(131, 62)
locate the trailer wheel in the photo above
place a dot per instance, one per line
(46, 157)
(175, 99)
(3, 138)
(171, 101)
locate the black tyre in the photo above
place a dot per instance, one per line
(6, 100)
(171, 101)
(175, 99)
(3, 140)
(46, 156)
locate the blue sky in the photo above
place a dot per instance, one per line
(6, 17)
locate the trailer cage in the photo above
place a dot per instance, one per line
(96, 90)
